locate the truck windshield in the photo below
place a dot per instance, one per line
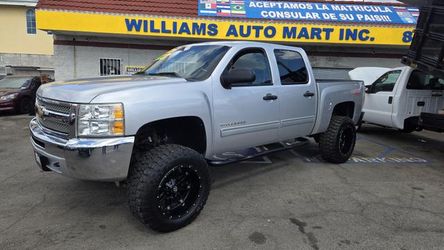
(194, 63)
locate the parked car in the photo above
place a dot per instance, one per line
(404, 98)
(17, 93)
(159, 129)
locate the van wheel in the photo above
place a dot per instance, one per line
(338, 142)
(168, 186)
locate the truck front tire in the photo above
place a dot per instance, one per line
(168, 186)
(338, 142)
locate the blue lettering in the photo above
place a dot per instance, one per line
(289, 32)
(244, 31)
(145, 26)
(328, 32)
(316, 33)
(198, 29)
(174, 27)
(133, 24)
(153, 27)
(231, 31)
(363, 35)
(303, 33)
(269, 31)
(257, 30)
(184, 29)
(212, 29)
(164, 28)
(351, 34)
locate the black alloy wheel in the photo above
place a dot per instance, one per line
(178, 191)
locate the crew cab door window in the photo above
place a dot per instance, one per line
(386, 82)
(291, 65)
(255, 60)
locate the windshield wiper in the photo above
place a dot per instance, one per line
(171, 74)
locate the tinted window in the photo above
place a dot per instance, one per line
(256, 61)
(387, 81)
(291, 67)
(420, 80)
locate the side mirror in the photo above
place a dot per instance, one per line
(237, 76)
(369, 89)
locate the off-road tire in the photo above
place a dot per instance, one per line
(329, 142)
(149, 170)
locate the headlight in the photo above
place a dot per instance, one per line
(8, 97)
(100, 120)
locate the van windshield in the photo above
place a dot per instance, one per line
(194, 63)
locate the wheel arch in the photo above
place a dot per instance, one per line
(188, 131)
(345, 109)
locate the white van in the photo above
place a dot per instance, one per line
(403, 98)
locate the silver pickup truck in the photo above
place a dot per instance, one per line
(159, 130)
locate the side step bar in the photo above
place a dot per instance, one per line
(276, 147)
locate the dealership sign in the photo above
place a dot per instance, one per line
(303, 11)
(100, 23)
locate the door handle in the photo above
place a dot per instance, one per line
(269, 97)
(390, 101)
(309, 94)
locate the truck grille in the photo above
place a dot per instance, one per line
(54, 115)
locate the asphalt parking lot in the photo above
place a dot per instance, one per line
(390, 195)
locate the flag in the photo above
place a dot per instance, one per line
(238, 9)
(223, 12)
(210, 6)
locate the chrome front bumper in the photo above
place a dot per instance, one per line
(88, 159)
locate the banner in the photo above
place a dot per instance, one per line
(100, 23)
(303, 11)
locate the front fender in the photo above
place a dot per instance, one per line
(150, 104)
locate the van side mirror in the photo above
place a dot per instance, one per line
(369, 89)
(237, 76)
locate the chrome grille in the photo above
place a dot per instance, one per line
(59, 107)
(54, 115)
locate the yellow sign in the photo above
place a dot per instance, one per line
(223, 30)
(134, 69)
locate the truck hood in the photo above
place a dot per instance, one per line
(367, 74)
(85, 90)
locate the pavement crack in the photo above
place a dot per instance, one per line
(312, 240)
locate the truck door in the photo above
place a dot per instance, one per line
(246, 114)
(297, 94)
(378, 104)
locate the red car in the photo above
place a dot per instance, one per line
(17, 93)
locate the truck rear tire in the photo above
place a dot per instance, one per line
(338, 142)
(168, 186)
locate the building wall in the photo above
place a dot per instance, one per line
(14, 38)
(84, 61)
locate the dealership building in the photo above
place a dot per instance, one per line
(98, 37)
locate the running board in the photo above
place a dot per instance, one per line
(260, 151)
